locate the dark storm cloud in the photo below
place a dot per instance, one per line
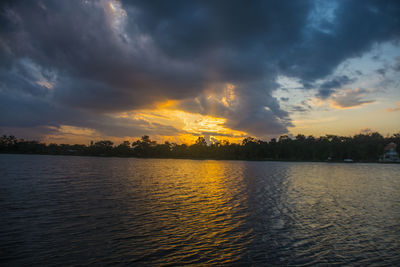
(355, 28)
(73, 62)
(25, 112)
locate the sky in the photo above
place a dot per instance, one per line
(79, 70)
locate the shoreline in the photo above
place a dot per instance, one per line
(189, 158)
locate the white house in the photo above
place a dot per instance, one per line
(390, 154)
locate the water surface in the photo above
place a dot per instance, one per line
(82, 210)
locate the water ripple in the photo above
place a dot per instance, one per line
(106, 211)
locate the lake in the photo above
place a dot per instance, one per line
(64, 210)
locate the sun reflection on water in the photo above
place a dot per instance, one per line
(151, 212)
(205, 207)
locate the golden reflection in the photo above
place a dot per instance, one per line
(205, 201)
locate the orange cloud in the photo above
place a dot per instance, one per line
(167, 104)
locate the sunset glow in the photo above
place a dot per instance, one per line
(119, 70)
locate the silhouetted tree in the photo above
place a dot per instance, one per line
(361, 147)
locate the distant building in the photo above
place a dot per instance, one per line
(390, 154)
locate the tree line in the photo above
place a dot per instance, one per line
(361, 147)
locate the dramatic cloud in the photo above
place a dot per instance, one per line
(81, 63)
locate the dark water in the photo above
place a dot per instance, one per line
(57, 210)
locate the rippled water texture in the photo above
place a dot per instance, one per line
(80, 210)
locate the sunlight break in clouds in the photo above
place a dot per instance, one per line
(185, 68)
(192, 125)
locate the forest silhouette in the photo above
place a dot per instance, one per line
(361, 148)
